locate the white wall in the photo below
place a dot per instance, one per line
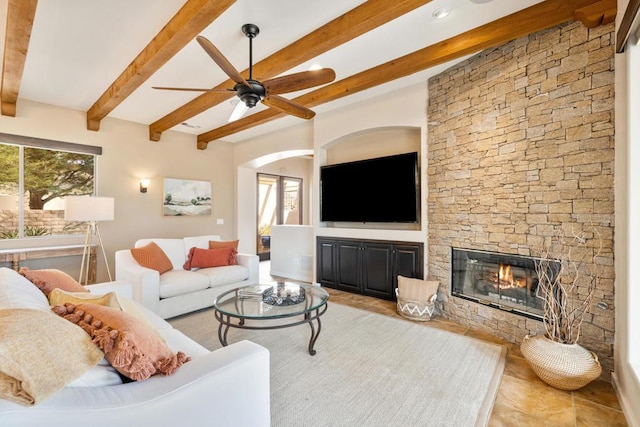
(627, 233)
(256, 153)
(128, 155)
(402, 109)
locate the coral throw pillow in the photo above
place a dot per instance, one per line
(128, 344)
(49, 279)
(203, 258)
(215, 244)
(151, 256)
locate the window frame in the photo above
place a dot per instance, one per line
(47, 144)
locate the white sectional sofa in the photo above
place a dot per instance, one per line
(226, 387)
(181, 291)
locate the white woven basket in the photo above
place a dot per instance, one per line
(563, 366)
(416, 310)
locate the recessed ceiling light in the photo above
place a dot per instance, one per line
(441, 12)
(481, 1)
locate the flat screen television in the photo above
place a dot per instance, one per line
(384, 189)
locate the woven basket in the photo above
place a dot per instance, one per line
(416, 310)
(563, 366)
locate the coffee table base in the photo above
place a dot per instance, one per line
(227, 321)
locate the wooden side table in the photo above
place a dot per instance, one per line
(17, 256)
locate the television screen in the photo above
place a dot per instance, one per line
(384, 189)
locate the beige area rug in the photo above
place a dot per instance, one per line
(370, 370)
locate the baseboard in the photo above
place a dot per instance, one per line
(627, 406)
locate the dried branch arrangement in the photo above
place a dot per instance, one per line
(567, 275)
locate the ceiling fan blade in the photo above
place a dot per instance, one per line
(238, 112)
(287, 106)
(222, 62)
(193, 89)
(298, 81)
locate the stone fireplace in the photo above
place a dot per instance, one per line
(520, 145)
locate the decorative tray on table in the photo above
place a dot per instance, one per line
(282, 294)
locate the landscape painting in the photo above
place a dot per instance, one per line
(186, 197)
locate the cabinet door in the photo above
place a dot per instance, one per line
(327, 272)
(377, 269)
(408, 261)
(349, 266)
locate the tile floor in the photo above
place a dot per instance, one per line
(523, 400)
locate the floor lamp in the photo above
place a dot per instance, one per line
(90, 210)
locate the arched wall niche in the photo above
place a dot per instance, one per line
(365, 144)
(371, 143)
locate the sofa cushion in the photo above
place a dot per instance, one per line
(177, 341)
(152, 256)
(203, 258)
(219, 276)
(132, 348)
(49, 279)
(213, 244)
(201, 242)
(17, 291)
(179, 282)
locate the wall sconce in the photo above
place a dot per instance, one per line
(144, 184)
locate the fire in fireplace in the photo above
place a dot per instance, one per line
(503, 281)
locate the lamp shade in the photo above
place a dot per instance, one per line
(87, 208)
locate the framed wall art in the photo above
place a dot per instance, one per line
(186, 197)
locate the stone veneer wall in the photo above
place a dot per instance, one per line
(520, 140)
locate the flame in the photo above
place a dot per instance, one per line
(506, 279)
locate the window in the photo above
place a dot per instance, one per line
(36, 176)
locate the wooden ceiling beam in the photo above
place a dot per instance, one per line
(190, 20)
(20, 14)
(535, 18)
(600, 13)
(352, 24)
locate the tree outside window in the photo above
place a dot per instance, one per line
(49, 176)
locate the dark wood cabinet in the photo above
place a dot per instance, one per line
(368, 267)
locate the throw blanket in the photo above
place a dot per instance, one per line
(40, 353)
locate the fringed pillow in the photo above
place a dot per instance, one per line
(128, 344)
(204, 258)
(49, 279)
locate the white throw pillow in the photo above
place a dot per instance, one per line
(17, 291)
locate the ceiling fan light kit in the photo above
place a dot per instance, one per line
(251, 91)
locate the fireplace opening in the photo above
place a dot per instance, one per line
(504, 281)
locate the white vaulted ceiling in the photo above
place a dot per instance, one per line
(78, 48)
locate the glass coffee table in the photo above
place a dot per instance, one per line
(271, 306)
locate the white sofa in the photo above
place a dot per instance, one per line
(181, 291)
(226, 387)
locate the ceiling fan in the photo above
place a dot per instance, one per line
(251, 91)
